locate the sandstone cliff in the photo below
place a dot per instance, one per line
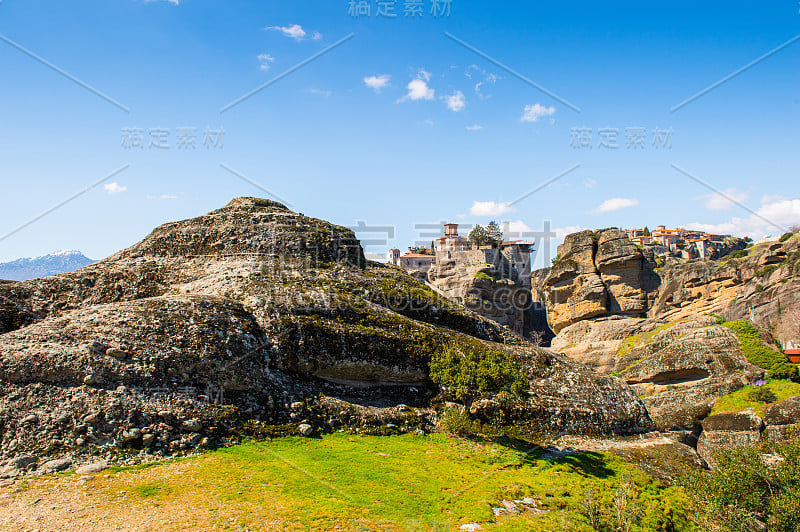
(598, 274)
(248, 315)
(762, 284)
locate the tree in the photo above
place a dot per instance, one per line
(479, 236)
(646, 231)
(495, 233)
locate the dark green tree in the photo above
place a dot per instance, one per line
(646, 231)
(495, 233)
(479, 236)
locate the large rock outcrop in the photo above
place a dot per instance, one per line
(678, 368)
(598, 274)
(761, 283)
(486, 282)
(246, 315)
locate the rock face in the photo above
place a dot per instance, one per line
(487, 283)
(215, 323)
(731, 429)
(781, 418)
(764, 285)
(598, 274)
(678, 368)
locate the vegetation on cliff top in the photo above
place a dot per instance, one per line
(742, 398)
(759, 354)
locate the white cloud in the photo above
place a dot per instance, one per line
(474, 127)
(265, 60)
(533, 113)
(773, 212)
(418, 88)
(489, 208)
(456, 102)
(114, 188)
(718, 202)
(163, 197)
(615, 204)
(427, 122)
(173, 2)
(589, 183)
(295, 31)
(316, 36)
(516, 228)
(320, 92)
(487, 78)
(561, 232)
(377, 83)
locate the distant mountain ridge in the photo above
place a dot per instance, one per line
(51, 264)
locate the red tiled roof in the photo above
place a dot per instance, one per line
(415, 256)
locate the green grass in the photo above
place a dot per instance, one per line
(775, 362)
(740, 399)
(350, 482)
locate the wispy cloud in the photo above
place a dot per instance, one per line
(474, 127)
(265, 60)
(418, 88)
(488, 78)
(615, 204)
(162, 197)
(489, 208)
(295, 31)
(456, 101)
(319, 92)
(114, 188)
(532, 113)
(773, 211)
(377, 83)
(719, 202)
(174, 2)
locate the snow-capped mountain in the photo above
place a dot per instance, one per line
(31, 268)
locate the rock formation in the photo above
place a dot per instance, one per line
(253, 315)
(487, 283)
(763, 285)
(598, 274)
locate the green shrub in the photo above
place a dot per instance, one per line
(762, 394)
(738, 254)
(766, 270)
(759, 354)
(759, 288)
(744, 492)
(468, 369)
(483, 275)
(786, 236)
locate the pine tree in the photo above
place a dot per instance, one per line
(478, 236)
(495, 233)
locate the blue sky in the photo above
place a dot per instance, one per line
(400, 125)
